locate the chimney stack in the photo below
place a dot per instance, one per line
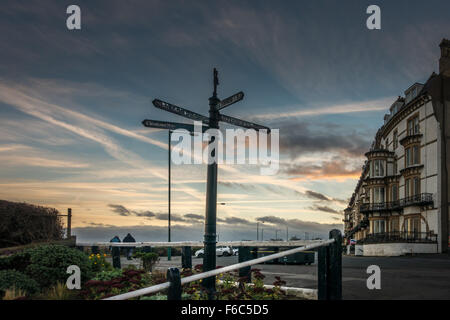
(444, 61)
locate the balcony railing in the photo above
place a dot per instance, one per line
(418, 199)
(400, 236)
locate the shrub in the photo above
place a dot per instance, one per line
(108, 275)
(129, 280)
(22, 223)
(148, 259)
(18, 261)
(12, 279)
(99, 263)
(48, 264)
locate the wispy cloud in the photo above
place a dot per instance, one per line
(353, 107)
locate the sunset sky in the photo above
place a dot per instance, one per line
(72, 102)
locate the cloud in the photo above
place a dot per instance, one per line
(297, 138)
(360, 106)
(121, 210)
(316, 195)
(148, 214)
(300, 225)
(194, 216)
(272, 219)
(235, 220)
(326, 209)
(173, 217)
(334, 169)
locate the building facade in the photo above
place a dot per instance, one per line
(401, 201)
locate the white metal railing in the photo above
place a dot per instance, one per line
(207, 274)
(200, 244)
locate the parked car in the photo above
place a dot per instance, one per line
(235, 251)
(220, 251)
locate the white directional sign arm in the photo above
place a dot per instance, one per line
(170, 125)
(242, 123)
(179, 111)
(230, 100)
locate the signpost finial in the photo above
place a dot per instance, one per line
(216, 81)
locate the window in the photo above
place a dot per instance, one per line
(378, 168)
(394, 224)
(416, 154)
(394, 192)
(379, 226)
(395, 140)
(412, 226)
(412, 155)
(378, 195)
(413, 126)
(407, 187)
(395, 167)
(416, 186)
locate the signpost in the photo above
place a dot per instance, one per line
(215, 104)
(230, 100)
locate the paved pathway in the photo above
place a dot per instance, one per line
(416, 277)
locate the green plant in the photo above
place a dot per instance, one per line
(10, 279)
(17, 261)
(129, 280)
(99, 263)
(14, 294)
(59, 292)
(48, 264)
(23, 223)
(108, 275)
(148, 259)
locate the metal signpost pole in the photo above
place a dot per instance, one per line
(209, 259)
(169, 249)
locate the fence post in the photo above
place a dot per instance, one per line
(186, 258)
(322, 263)
(334, 266)
(173, 276)
(69, 223)
(116, 257)
(245, 255)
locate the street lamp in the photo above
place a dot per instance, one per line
(169, 250)
(276, 234)
(257, 230)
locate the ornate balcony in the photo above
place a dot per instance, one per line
(399, 236)
(421, 199)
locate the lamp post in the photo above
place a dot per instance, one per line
(257, 230)
(169, 249)
(276, 234)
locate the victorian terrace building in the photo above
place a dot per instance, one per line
(401, 201)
